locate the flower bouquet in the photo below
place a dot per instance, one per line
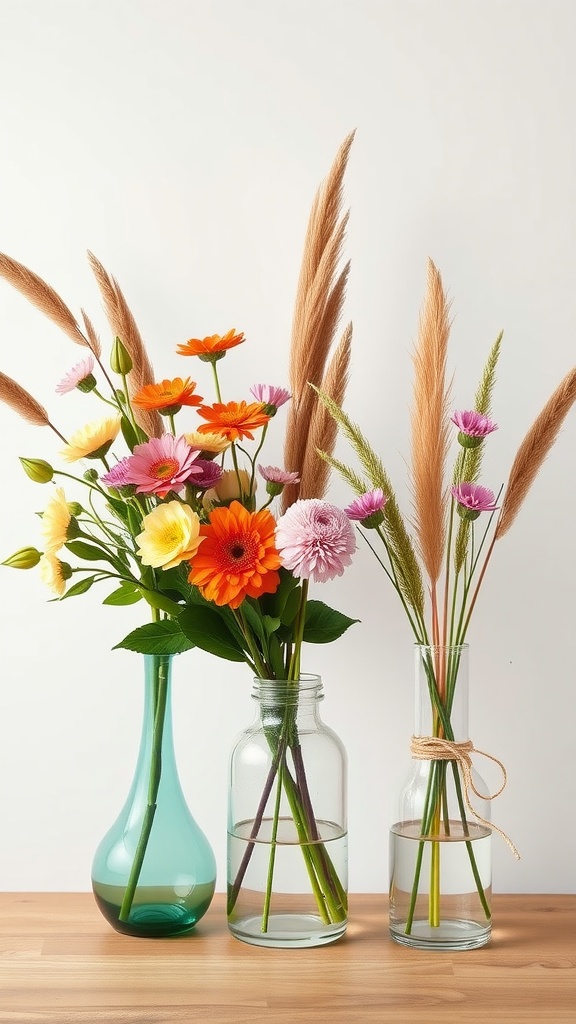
(440, 871)
(173, 520)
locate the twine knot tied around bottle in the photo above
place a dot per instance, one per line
(437, 748)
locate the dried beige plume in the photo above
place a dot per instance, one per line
(534, 449)
(323, 430)
(430, 425)
(319, 300)
(43, 297)
(22, 402)
(124, 327)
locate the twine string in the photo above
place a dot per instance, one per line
(436, 748)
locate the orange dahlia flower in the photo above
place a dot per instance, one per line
(212, 348)
(238, 556)
(169, 396)
(234, 420)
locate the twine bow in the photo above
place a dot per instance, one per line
(436, 748)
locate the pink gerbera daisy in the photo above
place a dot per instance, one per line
(158, 466)
(315, 540)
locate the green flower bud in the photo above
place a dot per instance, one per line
(24, 558)
(120, 360)
(38, 470)
(91, 475)
(75, 508)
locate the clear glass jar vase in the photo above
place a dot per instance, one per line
(154, 871)
(287, 822)
(440, 852)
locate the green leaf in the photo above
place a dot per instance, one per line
(89, 552)
(276, 657)
(270, 624)
(156, 638)
(126, 594)
(253, 617)
(160, 601)
(274, 604)
(324, 624)
(79, 588)
(205, 627)
(291, 607)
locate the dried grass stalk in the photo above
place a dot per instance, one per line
(92, 336)
(430, 425)
(534, 449)
(22, 402)
(323, 431)
(42, 296)
(319, 301)
(124, 327)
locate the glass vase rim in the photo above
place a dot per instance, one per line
(441, 647)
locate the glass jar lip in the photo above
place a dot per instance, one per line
(308, 685)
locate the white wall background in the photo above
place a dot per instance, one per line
(182, 142)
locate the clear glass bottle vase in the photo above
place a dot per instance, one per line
(287, 822)
(154, 871)
(440, 853)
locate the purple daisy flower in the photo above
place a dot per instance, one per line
(473, 427)
(276, 479)
(315, 540)
(367, 508)
(210, 474)
(473, 499)
(119, 475)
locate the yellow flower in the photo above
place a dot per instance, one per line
(55, 522)
(213, 443)
(227, 489)
(170, 535)
(92, 440)
(54, 573)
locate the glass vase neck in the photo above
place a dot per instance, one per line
(441, 691)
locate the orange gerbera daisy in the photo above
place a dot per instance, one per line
(233, 420)
(212, 348)
(169, 396)
(238, 556)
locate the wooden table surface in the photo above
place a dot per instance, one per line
(61, 963)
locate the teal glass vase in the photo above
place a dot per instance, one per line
(154, 871)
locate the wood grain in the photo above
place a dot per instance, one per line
(61, 963)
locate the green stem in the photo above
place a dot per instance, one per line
(161, 663)
(272, 858)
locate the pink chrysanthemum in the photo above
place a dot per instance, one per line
(210, 474)
(81, 374)
(315, 540)
(119, 475)
(368, 507)
(272, 396)
(473, 499)
(158, 466)
(473, 427)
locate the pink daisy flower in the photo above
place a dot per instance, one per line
(473, 499)
(276, 479)
(315, 540)
(160, 465)
(80, 376)
(473, 427)
(271, 396)
(119, 475)
(367, 508)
